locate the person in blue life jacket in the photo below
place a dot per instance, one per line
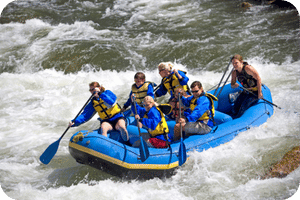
(141, 88)
(152, 118)
(198, 119)
(249, 79)
(104, 102)
(171, 80)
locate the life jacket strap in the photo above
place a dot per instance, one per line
(104, 110)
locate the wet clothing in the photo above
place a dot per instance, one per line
(245, 99)
(106, 107)
(172, 82)
(140, 93)
(246, 79)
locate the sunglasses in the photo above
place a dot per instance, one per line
(195, 91)
(161, 70)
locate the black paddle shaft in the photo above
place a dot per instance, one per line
(261, 98)
(78, 114)
(223, 75)
(49, 153)
(134, 103)
(179, 99)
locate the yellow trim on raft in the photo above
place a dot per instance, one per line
(121, 163)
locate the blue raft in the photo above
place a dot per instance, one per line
(114, 156)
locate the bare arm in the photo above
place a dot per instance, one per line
(234, 84)
(253, 72)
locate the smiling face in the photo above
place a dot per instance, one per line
(148, 103)
(237, 64)
(163, 72)
(164, 69)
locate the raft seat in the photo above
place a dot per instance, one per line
(221, 118)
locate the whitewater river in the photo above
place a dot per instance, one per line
(52, 49)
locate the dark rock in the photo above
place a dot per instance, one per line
(246, 5)
(289, 162)
(282, 4)
(277, 3)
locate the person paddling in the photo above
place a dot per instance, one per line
(199, 118)
(140, 89)
(105, 103)
(152, 117)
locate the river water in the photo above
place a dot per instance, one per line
(51, 49)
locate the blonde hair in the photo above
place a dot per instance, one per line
(165, 65)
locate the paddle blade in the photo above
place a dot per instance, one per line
(49, 153)
(182, 153)
(144, 151)
(165, 108)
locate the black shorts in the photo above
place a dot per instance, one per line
(113, 122)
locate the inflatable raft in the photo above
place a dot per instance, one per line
(114, 156)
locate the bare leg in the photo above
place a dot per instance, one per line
(121, 126)
(105, 127)
(177, 134)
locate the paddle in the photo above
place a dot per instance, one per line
(222, 79)
(261, 98)
(157, 88)
(144, 151)
(165, 108)
(225, 82)
(49, 153)
(182, 149)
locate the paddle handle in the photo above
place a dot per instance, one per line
(137, 122)
(84, 105)
(78, 114)
(144, 151)
(224, 83)
(223, 76)
(182, 148)
(157, 87)
(179, 99)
